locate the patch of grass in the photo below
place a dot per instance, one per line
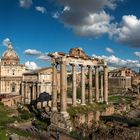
(74, 111)
(4, 115)
(40, 124)
(119, 99)
(25, 114)
(78, 136)
(19, 132)
(6, 119)
(3, 134)
(122, 119)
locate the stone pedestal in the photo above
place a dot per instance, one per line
(60, 122)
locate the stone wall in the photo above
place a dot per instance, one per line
(91, 117)
(11, 101)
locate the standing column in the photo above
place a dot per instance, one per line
(25, 93)
(106, 84)
(101, 95)
(54, 87)
(138, 88)
(38, 90)
(22, 92)
(83, 85)
(73, 85)
(97, 83)
(63, 88)
(33, 91)
(29, 97)
(90, 84)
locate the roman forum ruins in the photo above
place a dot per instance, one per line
(78, 58)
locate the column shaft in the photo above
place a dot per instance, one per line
(38, 90)
(63, 88)
(83, 85)
(54, 88)
(90, 85)
(138, 88)
(97, 83)
(25, 93)
(73, 85)
(106, 84)
(101, 94)
(22, 92)
(33, 92)
(29, 98)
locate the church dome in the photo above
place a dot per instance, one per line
(10, 56)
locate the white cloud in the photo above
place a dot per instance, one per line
(114, 61)
(87, 17)
(129, 31)
(109, 50)
(31, 65)
(137, 54)
(32, 52)
(38, 54)
(6, 41)
(44, 57)
(56, 15)
(25, 3)
(41, 9)
(66, 8)
(95, 25)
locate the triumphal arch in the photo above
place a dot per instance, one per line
(78, 58)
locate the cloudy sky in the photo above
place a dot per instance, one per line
(108, 29)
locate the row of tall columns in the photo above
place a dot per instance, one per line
(74, 86)
(28, 95)
(100, 95)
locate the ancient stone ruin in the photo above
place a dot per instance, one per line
(76, 58)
